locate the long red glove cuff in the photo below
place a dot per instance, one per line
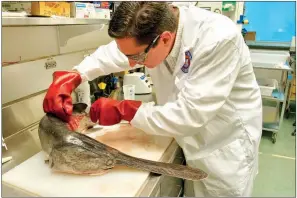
(58, 98)
(107, 111)
(71, 79)
(128, 109)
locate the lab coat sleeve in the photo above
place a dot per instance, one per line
(209, 82)
(105, 60)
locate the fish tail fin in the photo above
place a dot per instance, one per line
(169, 169)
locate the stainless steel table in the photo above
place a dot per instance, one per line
(25, 144)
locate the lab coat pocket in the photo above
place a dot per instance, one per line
(229, 169)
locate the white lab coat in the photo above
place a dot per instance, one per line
(213, 109)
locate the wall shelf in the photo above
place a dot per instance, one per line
(44, 21)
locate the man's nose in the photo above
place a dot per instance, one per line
(132, 63)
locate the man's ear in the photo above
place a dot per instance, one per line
(167, 38)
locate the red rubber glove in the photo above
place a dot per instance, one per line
(108, 111)
(58, 97)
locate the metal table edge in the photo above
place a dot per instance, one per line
(149, 186)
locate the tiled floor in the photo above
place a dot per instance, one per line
(277, 164)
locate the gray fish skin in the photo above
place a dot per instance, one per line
(70, 151)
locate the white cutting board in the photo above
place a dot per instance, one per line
(36, 178)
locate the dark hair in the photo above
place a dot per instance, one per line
(142, 20)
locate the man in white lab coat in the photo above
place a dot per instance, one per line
(207, 95)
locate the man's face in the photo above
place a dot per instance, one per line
(155, 55)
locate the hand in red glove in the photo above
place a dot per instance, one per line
(58, 97)
(108, 111)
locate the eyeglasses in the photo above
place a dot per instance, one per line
(141, 57)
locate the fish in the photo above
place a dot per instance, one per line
(69, 150)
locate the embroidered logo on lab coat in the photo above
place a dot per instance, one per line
(188, 58)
